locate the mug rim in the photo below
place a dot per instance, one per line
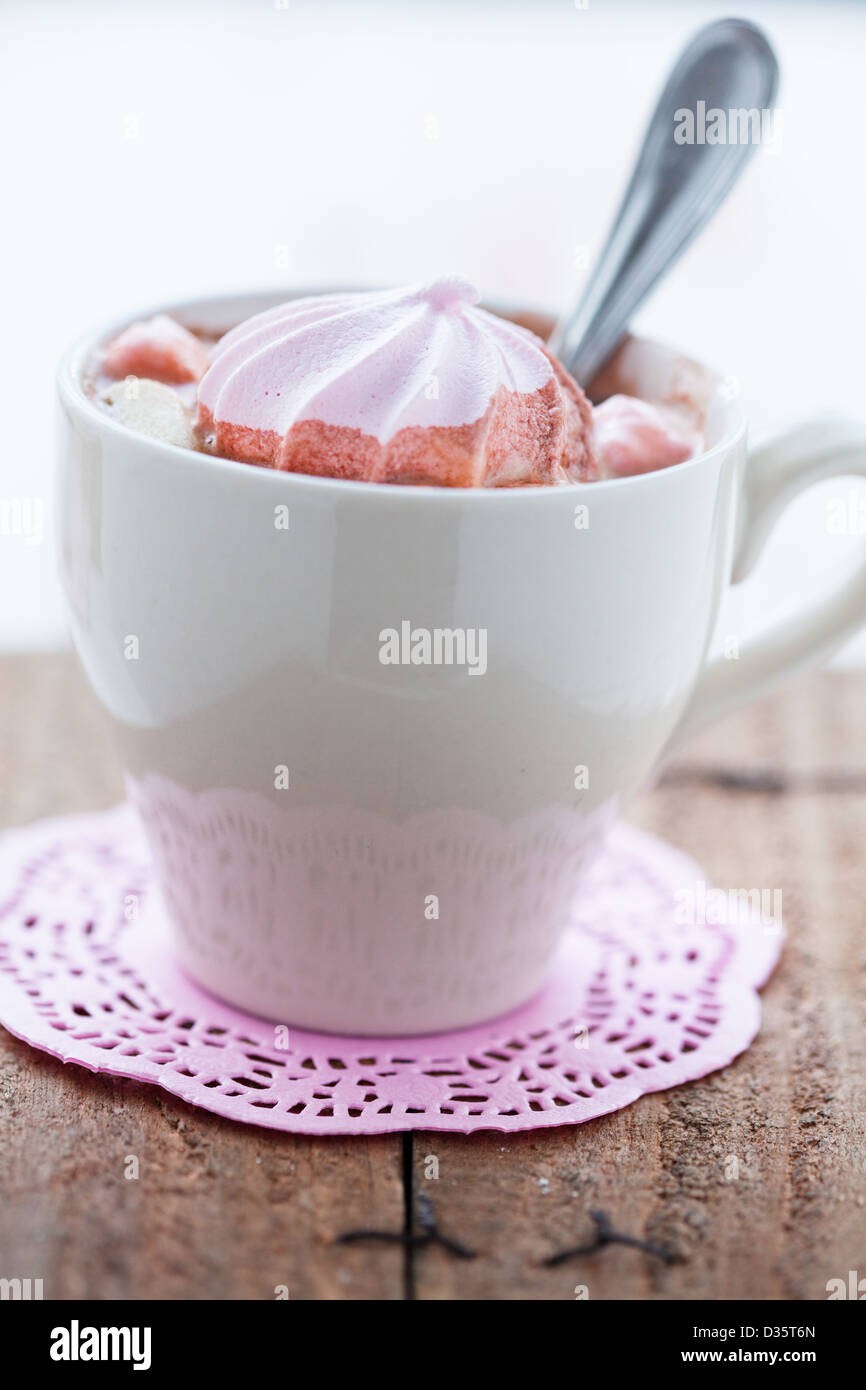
(74, 398)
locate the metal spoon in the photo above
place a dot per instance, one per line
(675, 188)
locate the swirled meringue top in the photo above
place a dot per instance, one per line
(378, 362)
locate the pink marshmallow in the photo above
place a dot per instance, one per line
(159, 349)
(632, 436)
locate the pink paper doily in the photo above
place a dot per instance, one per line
(640, 999)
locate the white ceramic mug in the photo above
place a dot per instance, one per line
(350, 844)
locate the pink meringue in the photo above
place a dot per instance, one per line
(414, 385)
(632, 436)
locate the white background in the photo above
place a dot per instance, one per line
(161, 150)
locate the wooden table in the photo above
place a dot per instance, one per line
(224, 1211)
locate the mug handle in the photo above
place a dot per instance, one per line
(777, 470)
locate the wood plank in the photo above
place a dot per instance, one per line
(225, 1211)
(792, 1110)
(220, 1210)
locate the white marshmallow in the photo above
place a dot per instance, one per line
(150, 408)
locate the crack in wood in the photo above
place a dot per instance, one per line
(768, 781)
(428, 1235)
(606, 1235)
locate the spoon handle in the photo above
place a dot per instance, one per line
(675, 187)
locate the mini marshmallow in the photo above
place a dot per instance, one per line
(158, 348)
(150, 408)
(632, 436)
